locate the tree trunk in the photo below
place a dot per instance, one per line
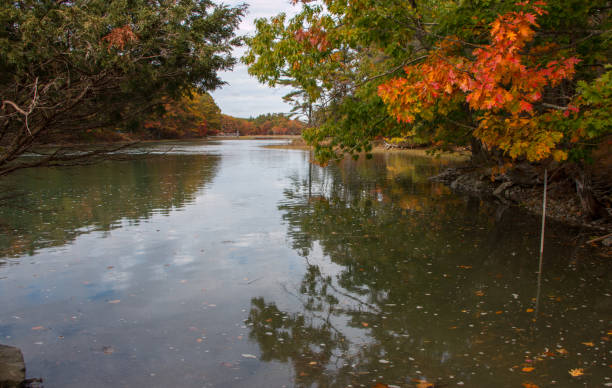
(479, 153)
(591, 207)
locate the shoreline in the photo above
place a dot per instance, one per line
(562, 204)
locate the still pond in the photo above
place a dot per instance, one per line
(229, 264)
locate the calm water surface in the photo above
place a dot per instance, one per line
(227, 264)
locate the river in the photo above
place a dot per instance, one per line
(229, 264)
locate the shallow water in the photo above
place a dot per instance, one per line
(227, 264)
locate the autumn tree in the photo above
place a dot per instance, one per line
(193, 115)
(71, 66)
(338, 53)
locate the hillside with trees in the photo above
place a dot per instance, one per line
(266, 124)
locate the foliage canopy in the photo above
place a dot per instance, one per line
(505, 77)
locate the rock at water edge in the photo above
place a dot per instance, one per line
(12, 367)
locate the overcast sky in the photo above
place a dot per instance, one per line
(244, 96)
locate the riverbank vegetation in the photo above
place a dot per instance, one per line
(517, 83)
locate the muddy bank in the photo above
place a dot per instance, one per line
(524, 188)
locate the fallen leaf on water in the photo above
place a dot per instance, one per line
(365, 324)
(576, 372)
(527, 369)
(379, 385)
(114, 301)
(38, 328)
(562, 351)
(529, 310)
(110, 267)
(464, 266)
(590, 344)
(312, 363)
(499, 312)
(479, 293)
(423, 384)
(529, 385)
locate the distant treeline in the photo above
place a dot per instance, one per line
(267, 124)
(190, 117)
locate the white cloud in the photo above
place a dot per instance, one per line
(244, 96)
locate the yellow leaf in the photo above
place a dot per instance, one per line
(529, 385)
(529, 310)
(590, 344)
(527, 369)
(576, 372)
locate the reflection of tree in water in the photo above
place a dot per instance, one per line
(439, 293)
(55, 205)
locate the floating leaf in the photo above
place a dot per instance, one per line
(527, 369)
(529, 310)
(423, 383)
(590, 344)
(364, 324)
(576, 372)
(479, 293)
(114, 301)
(529, 385)
(38, 328)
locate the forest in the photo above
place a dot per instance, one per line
(516, 83)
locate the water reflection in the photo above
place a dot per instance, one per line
(51, 207)
(406, 284)
(264, 277)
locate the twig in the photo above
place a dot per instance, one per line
(541, 245)
(599, 238)
(254, 280)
